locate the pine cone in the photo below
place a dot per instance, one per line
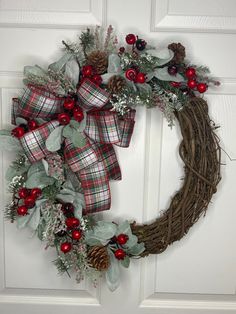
(179, 52)
(98, 258)
(116, 84)
(98, 60)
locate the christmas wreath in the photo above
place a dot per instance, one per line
(67, 123)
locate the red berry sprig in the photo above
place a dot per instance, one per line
(22, 210)
(201, 87)
(72, 222)
(120, 254)
(29, 196)
(122, 239)
(66, 247)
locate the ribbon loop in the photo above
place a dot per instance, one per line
(38, 103)
(33, 142)
(14, 110)
(126, 125)
(91, 95)
(79, 158)
(103, 127)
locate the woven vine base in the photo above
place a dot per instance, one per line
(201, 154)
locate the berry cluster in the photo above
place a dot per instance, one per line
(71, 110)
(192, 83)
(121, 239)
(20, 130)
(72, 224)
(135, 76)
(29, 197)
(88, 72)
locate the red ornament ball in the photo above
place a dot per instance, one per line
(78, 114)
(76, 234)
(190, 72)
(141, 78)
(87, 70)
(22, 210)
(122, 238)
(29, 201)
(66, 247)
(72, 222)
(131, 74)
(120, 254)
(23, 192)
(63, 118)
(97, 79)
(18, 132)
(69, 103)
(175, 84)
(192, 83)
(201, 87)
(32, 125)
(36, 192)
(130, 39)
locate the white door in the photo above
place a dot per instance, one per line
(195, 275)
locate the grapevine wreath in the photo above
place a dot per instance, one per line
(68, 123)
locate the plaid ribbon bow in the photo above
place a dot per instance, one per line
(95, 164)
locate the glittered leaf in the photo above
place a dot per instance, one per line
(39, 179)
(20, 120)
(163, 75)
(163, 55)
(9, 143)
(60, 64)
(34, 70)
(125, 262)
(113, 273)
(137, 249)
(114, 64)
(53, 142)
(105, 230)
(78, 139)
(72, 71)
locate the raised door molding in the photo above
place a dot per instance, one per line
(193, 16)
(52, 14)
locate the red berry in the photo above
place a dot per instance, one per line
(131, 74)
(122, 50)
(66, 247)
(140, 78)
(201, 87)
(67, 208)
(36, 192)
(63, 118)
(76, 234)
(192, 83)
(190, 72)
(78, 114)
(23, 192)
(29, 201)
(130, 39)
(97, 79)
(69, 103)
(120, 254)
(122, 238)
(22, 210)
(175, 84)
(140, 44)
(18, 132)
(72, 222)
(172, 69)
(32, 124)
(87, 71)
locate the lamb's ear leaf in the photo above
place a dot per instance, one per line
(53, 142)
(113, 273)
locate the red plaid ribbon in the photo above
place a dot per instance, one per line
(91, 95)
(106, 127)
(33, 142)
(95, 163)
(36, 102)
